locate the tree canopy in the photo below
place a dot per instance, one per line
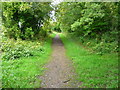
(25, 19)
(88, 18)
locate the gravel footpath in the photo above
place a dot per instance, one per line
(60, 72)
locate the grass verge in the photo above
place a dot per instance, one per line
(24, 72)
(94, 71)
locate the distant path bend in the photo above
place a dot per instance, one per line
(60, 72)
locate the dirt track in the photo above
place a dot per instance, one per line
(60, 72)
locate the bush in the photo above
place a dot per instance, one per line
(17, 52)
(103, 47)
(15, 49)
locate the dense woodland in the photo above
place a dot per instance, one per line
(27, 36)
(93, 23)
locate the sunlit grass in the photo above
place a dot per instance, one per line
(94, 71)
(25, 71)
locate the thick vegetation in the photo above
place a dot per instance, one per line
(24, 72)
(91, 40)
(25, 44)
(94, 24)
(25, 20)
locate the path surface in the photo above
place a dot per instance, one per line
(59, 73)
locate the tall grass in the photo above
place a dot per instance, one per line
(94, 71)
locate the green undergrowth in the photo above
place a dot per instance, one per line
(97, 45)
(94, 71)
(24, 72)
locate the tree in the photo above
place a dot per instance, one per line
(24, 19)
(91, 19)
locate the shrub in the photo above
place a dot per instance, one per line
(104, 47)
(15, 49)
(17, 52)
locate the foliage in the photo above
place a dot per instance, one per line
(104, 47)
(56, 27)
(24, 19)
(24, 72)
(91, 21)
(94, 71)
(15, 49)
(24, 46)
